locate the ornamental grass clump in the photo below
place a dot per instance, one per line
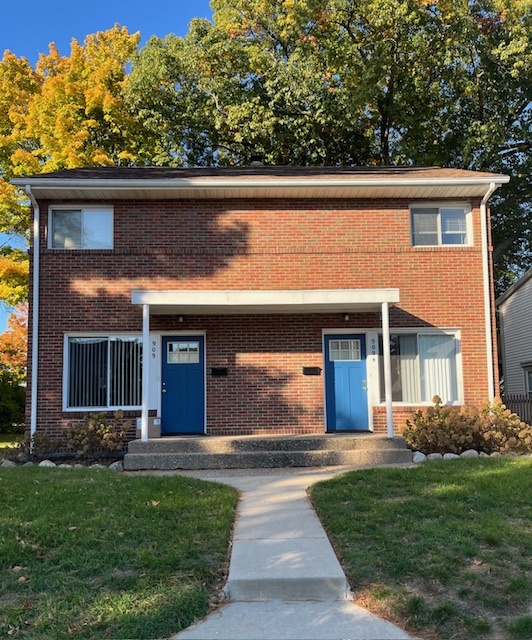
(443, 429)
(446, 429)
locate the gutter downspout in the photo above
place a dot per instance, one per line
(35, 311)
(487, 289)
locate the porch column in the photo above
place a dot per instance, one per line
(145, 371)
(387, 368)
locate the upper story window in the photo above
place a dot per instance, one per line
(440, 226)
(80, 228)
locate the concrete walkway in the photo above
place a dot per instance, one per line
(284, 581)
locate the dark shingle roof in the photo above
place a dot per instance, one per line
(274, 172)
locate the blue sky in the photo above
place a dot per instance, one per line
(27, 27)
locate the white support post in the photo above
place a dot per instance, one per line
(387, 368)
(145, 372)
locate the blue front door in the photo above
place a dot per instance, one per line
(183, 385)
(345, 383)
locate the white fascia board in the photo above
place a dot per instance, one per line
(251, 183)
(301, 300)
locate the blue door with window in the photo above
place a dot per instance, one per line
(345, 383)
(183, 385)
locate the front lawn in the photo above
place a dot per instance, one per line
(97, 554)
(443, 549)
(8, 441)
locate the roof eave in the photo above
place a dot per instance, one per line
(205, 183)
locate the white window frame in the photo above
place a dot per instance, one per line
(466, 206)
(456, 333)
(66, 368)
(82, 208)
(527, 373)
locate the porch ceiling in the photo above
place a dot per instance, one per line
(261, 302)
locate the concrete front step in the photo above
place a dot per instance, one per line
(237, 444)
(265, 459)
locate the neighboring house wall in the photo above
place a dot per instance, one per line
(515, 313)
(261, 244)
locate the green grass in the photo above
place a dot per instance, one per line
(8, 440)
(97, 554)
(443, 549)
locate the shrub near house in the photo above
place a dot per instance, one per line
(490, 428)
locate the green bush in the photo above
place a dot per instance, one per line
(446, 429)
(39, 445)
(96, 434)
(12, 402)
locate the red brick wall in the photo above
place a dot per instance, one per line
(269, 244)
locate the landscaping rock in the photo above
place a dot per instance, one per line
(65, 466)
(47, 463)
(7, 463)
(29, 464)
(434, 456)
(418, 457)
(495, 454)
(470, 453)
(483, 454)
(511, 454)
(450, 456)
(97, 466)
(79, 466)
(117, 466)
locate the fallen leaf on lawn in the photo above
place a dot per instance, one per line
(154, 503)
(22, 579)
(17, 569)
(72, 528)
(26, 605)
(477, 561)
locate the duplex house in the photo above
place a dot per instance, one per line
(259, 300)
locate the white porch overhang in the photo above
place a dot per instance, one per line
(264, 302)
(295, 301)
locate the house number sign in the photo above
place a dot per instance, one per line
(153, 349)
(373, 349)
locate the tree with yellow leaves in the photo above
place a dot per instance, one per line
(66, 112)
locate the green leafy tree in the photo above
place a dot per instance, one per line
(443, 82)
(13, 355)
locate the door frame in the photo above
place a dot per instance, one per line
(369, 370)
(160, 361)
